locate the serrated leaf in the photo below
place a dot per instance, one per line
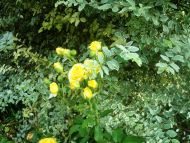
(165, 58)
(175, 67)
(106, 70)
(107, 52)
(163, 65)
(178, 58)
(170, 70)
(133, 48)
(113, 65)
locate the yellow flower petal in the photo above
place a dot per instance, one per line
(59, 51)
(95, 46)
(92, 84)
(54, 88)
(77, 73)
(48, 140)
(87, 93)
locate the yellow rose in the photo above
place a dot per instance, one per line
(87, 93)
(74, 84)
(48, 140)
(92, 84)
(59, 51)
(58, 67)
(77, 72)
(54, 88)
(95, 46)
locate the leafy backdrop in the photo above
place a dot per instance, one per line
(149, 99)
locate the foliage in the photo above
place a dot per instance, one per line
(143, 84)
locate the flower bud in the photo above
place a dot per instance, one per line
(59, 51)
(54, 88)
(60, 78)
(73, 52)
(92, 53)
(47, 81)
(58, 67)
(93, 84)
(87, 93)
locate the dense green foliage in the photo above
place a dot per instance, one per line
(144, 92)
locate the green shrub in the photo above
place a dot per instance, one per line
(145, 90)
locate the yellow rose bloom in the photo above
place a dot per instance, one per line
(95, 46)
(74, 84)
(77, 73)
(48, 140)
(92, 84)
(59, 51)
(54, 88)
(58, 67)
(87, 93)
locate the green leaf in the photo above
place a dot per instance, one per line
(113, 65)
(171, 133)
(81, 7)
(175, 67)
(133, 48)
(101, 58)
(98, 134)
(173, 5)
(175, 141)
(117, 135)
(165, 58)
(133, 139)
(107, 52)
(106, 70)
(115, 8)
(83, 131)
(106, 112)
(178, 58)
(74, 128)
(104, 7)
